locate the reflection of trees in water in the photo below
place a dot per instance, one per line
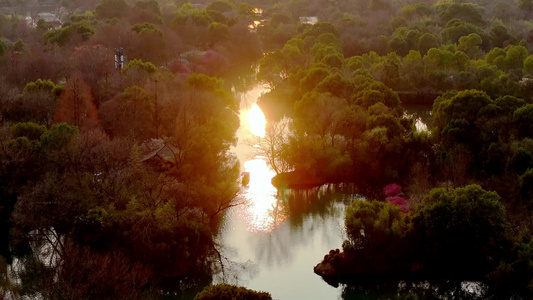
(317, 211)
(230, 271)
(416, 290)
(185, 288)
(317, 202)
(274, 248)
(217, 268)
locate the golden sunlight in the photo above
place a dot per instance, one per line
(263, 212)
(257, 121)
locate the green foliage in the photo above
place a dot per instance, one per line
(398, 45)
(398, 22)
(456, 28)
(313, 77)
(325, 38)
(372, 92)
(19, 45)
(277, 19)
(515, 56)
(468, 12)
(526, 185)
(416, 10)
(203, 82)
(469, 122)
(218, 32)
(130, 114)
(427, 41)
(86, 16)
(108, 9)
(500, 36)
(470, 45)
(321, 50)
(373, 224)
(143, 28)
(379, 4)
(456, 115)
(523, 119)
(64, 35)
(508, 104)
(463, 227)
(387, 121)
(58, 136)
(43, 25)
(335, 84)
(221, 6)
(320, 28)
(528, 65)
(496, 56)
(137, 64)
(525, 5)
(516, 273)
(30, 130)
(43, 85)
(464, 104)
(205, 127)
(348, 123)
(3, 48)
(437, 58)
(245, 9)
(23, 144)
(188, 12)
(36, 103)
(225, 291)
(316, 113)
(149, 5)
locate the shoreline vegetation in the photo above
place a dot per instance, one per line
(114, 178)
(425, 244)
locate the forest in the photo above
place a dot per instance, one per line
(115, 178)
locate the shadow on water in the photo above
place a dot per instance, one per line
(437, 289)
(310, 212)
(309, 222)
(318, 202)
(311, 215)
(185, 288)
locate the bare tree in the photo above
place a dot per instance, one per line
(275, 145)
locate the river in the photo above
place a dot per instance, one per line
(273, 241)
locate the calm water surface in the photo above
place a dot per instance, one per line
(273, 241)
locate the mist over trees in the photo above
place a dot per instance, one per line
(112, 181)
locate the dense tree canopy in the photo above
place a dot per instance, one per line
(130, 167)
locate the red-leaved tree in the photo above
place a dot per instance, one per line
(76, 105)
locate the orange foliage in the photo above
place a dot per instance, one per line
(96, 63)
(76, 105)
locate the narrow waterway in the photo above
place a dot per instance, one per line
(274, 240)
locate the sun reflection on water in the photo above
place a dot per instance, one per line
(263, 212)
(256, 120)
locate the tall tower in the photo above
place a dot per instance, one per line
(119, 59)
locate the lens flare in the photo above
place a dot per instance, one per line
(257, 121)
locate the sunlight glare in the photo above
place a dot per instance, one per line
(263, 212)
(257, 121)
